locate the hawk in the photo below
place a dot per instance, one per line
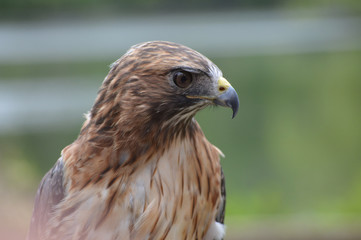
(141, 167)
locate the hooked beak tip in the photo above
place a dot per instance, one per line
(229, 99)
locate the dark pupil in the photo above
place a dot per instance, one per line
(182, 79)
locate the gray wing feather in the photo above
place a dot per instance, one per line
(49, 194)
(222, 204)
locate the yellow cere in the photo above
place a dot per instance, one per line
(223, 84)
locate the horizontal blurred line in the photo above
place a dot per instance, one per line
(35, 105)
(216, 34)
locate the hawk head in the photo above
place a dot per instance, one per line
(157, 87)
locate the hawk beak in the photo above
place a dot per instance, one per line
(227, 96)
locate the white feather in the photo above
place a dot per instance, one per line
(216, 231)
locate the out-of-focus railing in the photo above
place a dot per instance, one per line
(217, 34)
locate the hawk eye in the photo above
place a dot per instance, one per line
(182, 79)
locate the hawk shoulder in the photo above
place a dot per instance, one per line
(49, 194)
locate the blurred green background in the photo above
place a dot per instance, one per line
(293, 153)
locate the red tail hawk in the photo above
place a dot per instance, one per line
(141, 167)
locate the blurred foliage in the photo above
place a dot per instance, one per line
(296, 145)
(52, 70)
(293, 148)
(38, 8)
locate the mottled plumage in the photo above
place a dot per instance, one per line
(141, 167)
